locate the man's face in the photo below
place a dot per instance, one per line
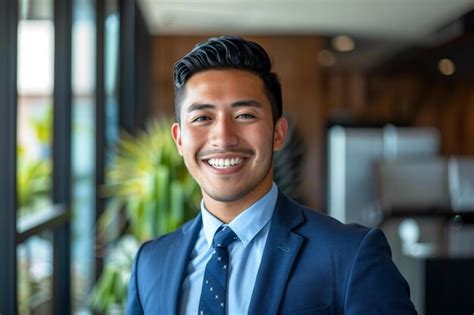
(227, 135)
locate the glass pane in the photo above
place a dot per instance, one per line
(83, 152)
(108, 297)
(35, 272)
(112, 37)
(35, 105)
(35, 77)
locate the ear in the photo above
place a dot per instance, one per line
(279, 135)
(176, 134)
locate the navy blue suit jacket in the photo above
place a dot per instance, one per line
(312, 264)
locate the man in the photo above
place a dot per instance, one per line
(252, 250)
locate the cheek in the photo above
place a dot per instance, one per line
(191, 141)
(264, 144)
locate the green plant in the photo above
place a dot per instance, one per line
(34, 173)
(148, 185)
(288, 161)
(33, 181)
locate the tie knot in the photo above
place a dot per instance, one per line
(223, 237)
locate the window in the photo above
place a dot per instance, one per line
(83, 151)
(35, 107)
(62, 57)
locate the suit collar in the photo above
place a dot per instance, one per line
(281, 249)
(176, 264)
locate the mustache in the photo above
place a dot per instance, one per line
(244, 151)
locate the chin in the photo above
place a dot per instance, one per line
(227, 196)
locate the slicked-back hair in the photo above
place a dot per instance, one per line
(228, 52)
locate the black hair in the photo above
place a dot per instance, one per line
(228, 52)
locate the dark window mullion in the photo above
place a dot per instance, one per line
(8, 75)
(100, 146)
(142, 69)
(127, 77)
(62, 153)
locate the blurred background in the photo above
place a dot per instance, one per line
(380, 96)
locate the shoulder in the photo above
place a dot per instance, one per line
(159, 247)
(318, 221)
(329, 226)
(355, 261)
(326, 232)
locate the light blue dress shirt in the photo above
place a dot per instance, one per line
(245, 255)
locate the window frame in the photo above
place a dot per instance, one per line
(133, 110)
(57, 219)
(8, 77)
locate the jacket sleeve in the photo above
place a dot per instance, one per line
(134, 306)
(375, 286)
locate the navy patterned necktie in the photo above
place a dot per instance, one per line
(214, 285)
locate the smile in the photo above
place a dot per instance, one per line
(224, 163)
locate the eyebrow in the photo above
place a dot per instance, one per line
(245, 103)
(197, 106)
(242, 103)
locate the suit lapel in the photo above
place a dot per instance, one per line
(175, 266)
(279, 254)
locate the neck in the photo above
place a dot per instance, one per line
(226, 211)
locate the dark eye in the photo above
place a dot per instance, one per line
(246, 116)
(201, 119)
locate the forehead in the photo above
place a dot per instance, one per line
(223, 86)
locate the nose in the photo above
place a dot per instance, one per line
(224, 133)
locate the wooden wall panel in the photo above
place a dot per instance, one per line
(469, 122)
(447, 105)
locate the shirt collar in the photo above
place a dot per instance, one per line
(248, 223)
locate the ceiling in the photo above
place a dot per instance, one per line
(407, 20)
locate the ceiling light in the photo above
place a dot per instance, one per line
(326, 58)
(343, 43)
(446, 66)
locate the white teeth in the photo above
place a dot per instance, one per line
(224, 163)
